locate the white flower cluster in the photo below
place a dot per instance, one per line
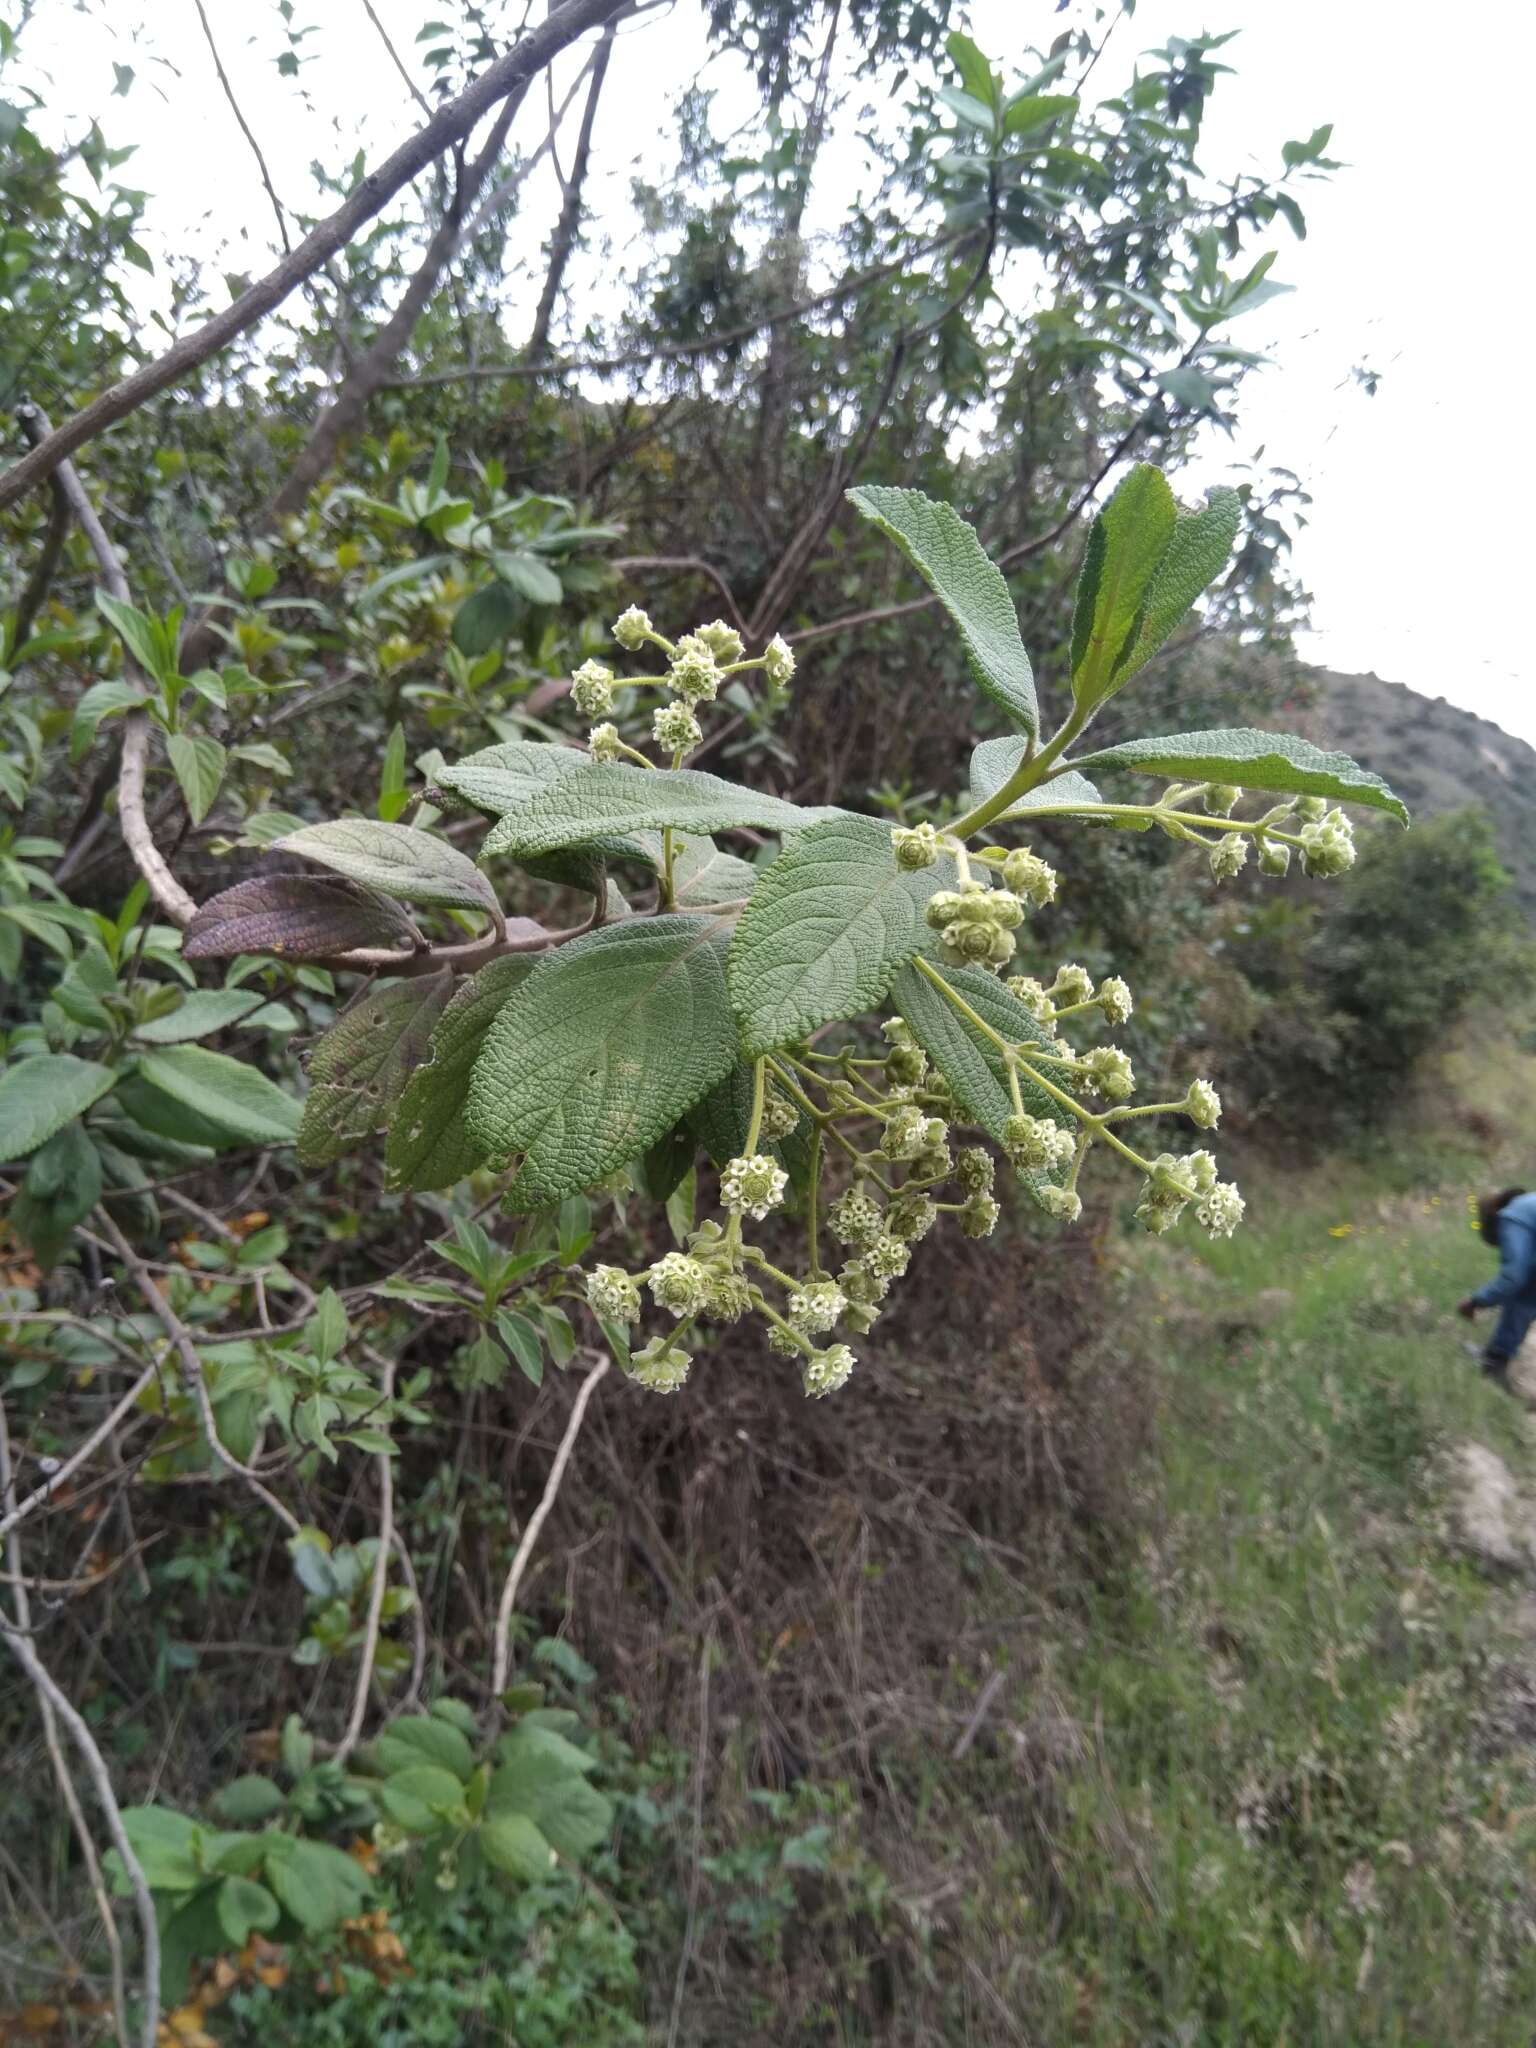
(976, 924)
(753, 1186)
(1327, 844)
(1174, 1183)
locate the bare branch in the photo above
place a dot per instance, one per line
(502, 1641)
(564, 240)
(395, 58)
(18, 1511)
(386, 1466)
(54, 537)
(245, 128)
(451, 123)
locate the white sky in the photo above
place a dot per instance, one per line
(1416, 261)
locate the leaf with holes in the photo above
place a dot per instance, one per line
(398, 860)
(827, 927)
(359, 1070)
(608, 1042)
(957, 569)
(1272, 761)
(430, 1145)
(297, 917)
(973, 1066)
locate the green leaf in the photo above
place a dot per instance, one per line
(608, 799)
(297, 917)
(703, 876)
(165, 1844)
(995, 760)
(558, 1334)
(512, 1844)
(603, 1048)
(204, 1011)
(509, 775)
(226, 1092)
(827, 927)
(573, 1816)
(38, 1096)
(530, 578)
(485, 619)
(421, 1797)
(398, 860)
(392, 796)
(522, 1340)
(430, 1145)
(136, 630)
(952, 562)
(1195, 557)
(1033, 110)
(975, 71)
(199, 765)
(247, 1801)
(62, 1185)
(1253, 760)
(1127, 543)
(318, 1885)
(720, 1119)
(425, 1739)
(245, 1908)
(969, 1061)
(359, 1070)
(101, 700)
(327, 1331)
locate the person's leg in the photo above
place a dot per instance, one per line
(1515, 1318)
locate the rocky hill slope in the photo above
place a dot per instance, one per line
(1437, 758)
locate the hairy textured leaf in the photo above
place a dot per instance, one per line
(608, 1042)
(505, 777)
(224, 1092)
(1253, 760)
(204, 1011)
(297, 917)
(1195, 557)
(950, 559)
(359, 1070)
(995, 760)
(39, 1096)
(396, 859)
(608, 799)
(720, 1119)
(971, 1063)
(703, 876)
(199, 765)
(430, 1145)
(827, 927)
(1127, 543)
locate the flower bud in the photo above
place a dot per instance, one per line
(904, 1133)
(729, 1298)
(887, 1258)
(978, 1217)
(1220, 799)
(1073, 984)
(1274, 857)
(815, 1308)
(933, 1163)
(864, 1288)
(778, 661)
(662, 1371)
(694, 676)
(751, 1187)
(975, 1170)
(897, 1031)
(632, 628)
(723, 641)
(1200, 1169)
(604, 742)
(1110, 1071)
(906, 1066)
(825, 1371)
(613, 1295)
(1202, 1105)
(1221, 1209)
(780, 1116)
(1033, 996)
(679, 1284)
(916, 846)
(1065, 1204)
(862, 1320)
(854, 1219)
(911, 1217)
(1027, 875)
(1328, 846)
(1311, 809)
(592, 690)
(675, 728)
(943, 908)
(1228, 856)
(1035, 1144)
(1115, 1000)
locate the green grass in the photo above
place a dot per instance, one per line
(1293, 1811)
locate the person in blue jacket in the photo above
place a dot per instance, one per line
(1507, 1221)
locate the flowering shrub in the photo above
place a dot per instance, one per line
(696, 1020)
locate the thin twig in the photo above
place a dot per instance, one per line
(450, 124)
(501, 1651)
(701, 1760)
(245, 128)
(635, 565)
(38, 582)
(16, 1514)
(352, 1733)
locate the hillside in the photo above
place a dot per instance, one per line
(1437, 757)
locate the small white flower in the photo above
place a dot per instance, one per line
(916, 846)
(592, 689)
(1221, 1209)
(1228, 856)
(887, 1258)
(723, 641)
(662, 1371)
(675, 728)
(1033, 996)
(979, 1214)
(753, 1186)
(694, 675)
(1115, 1000)
(1328, 846)
(855, 1219)
(1063, 1203)
(814, 1309)
(825, 1371)
(679, 1284)
(1027, 875)
(1111, 1072)
(604, 742)
(1037, 1143)
(1073, 984)
(613, 1294)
